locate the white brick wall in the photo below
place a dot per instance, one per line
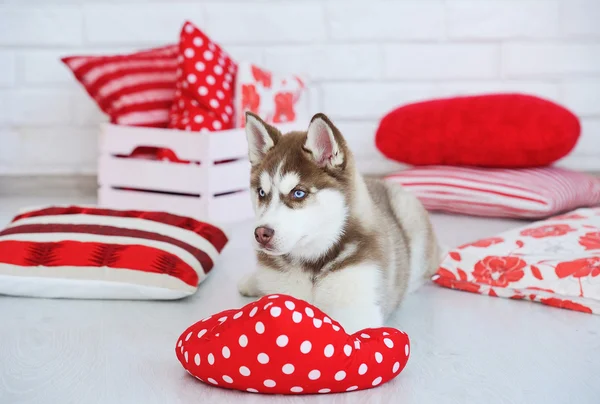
(441, 61)
(364, 57)
(137, 23)
(385, 20)
(502, 19)
(583, 95)
(257, 22)
(561, 60)
(40, 25)
(328, 62)
(8, 69)
(366, 100)
(580, 19)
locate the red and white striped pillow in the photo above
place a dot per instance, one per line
(92, 253)
(134, 89)
(517, 193)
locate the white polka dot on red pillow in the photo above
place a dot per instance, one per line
(189, 115)
(204, 82)
(282, 345)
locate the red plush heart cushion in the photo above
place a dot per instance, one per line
(282, 345)
(496, 131)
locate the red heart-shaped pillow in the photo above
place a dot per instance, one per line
(282, 345)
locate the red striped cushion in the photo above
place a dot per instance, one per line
(84, 252)
(134, 89)
(517, 193)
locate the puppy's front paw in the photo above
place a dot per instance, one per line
(247, 286)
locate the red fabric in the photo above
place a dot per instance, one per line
(208, 231)
(86, 254)
(502, 130)
(132, 89)
(154, 153)
(205, 83)
(500, 192)
(282, 345)
(200, 255)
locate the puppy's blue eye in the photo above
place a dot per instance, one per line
(261, 192)
(299, 194)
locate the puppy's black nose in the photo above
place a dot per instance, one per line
(263, 235)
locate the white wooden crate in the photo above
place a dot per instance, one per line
(214, 187)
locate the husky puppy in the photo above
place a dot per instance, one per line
(351, 246)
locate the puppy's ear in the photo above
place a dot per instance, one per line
(325, 143)
(262, 137)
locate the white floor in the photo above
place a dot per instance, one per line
(465, 348)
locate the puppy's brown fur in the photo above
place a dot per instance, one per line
(383, 236)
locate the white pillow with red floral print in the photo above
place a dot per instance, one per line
(276, 98)
(554, 262)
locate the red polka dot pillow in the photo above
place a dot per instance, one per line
(134, 89)
(278, 98)
(92, 253)
(554, 262)
(205, 84)
(282, 345)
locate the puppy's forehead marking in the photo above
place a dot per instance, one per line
(288, 182)
(278, 173)
(265, 181)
